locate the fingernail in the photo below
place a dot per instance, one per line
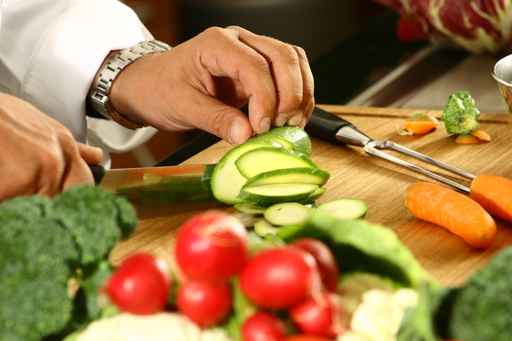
(296, 120)
(236, 133)
(264, 125)
(281, 120)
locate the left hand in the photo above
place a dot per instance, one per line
(203, 82)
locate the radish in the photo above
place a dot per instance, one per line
(211, 246)
(280, 278)
(263, 327)
(320, 316)
(324, 259)
(139, 286)
(204, 303)
(304, 337)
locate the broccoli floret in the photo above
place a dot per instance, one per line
(460, 115)
(482, 307)
(43, 244)
(96, 219)
(34, 272)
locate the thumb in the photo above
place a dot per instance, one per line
(91, 155)
(222, 120)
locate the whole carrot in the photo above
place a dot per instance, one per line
(494, 193)
(454, 211)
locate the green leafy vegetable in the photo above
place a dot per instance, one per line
(361, 246)
(460, 114)
(43, 245)
(482, 308)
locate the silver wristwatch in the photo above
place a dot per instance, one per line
(113, 65)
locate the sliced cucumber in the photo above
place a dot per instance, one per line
(266, 195)
(226, 181)
(250, 209)
(288, 213)
(266, 159)
(264, 229)
(317, 194)
(273, 140)
(345, 208)
(297, 137)
(313, 176)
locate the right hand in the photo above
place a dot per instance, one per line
(38, 155)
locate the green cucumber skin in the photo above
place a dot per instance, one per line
(266, 178)
(241, 163)
(296, 136)
(265, 201)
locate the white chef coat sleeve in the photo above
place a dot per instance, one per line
(50, 51)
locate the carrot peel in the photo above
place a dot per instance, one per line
(467, 139)
(482, 135)
(420, 127)
(454, 211)
(494, 193)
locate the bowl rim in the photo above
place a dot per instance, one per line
(494, 74)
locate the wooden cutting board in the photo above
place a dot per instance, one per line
(381, 185)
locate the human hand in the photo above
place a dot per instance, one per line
(203, 82)
(38, 155)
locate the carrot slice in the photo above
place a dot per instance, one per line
(454, 211)
(482, 135)
(420, 127)
(467, 139)
(494, 193)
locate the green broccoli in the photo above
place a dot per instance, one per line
(460, 115)
(482, 308)
(43, 245)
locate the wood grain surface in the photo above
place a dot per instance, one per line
(381, 185)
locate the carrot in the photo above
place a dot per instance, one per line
(482, 135)
(494, 193)
(466, 139)
(420, 127)
(454, 211)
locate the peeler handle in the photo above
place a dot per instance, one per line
(332, 128)
(98, 172)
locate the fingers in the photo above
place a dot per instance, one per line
(286, 70)
(308, 87)
(227, 56)
(220, 119)
(91, 155)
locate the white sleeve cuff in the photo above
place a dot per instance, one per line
(70, 53)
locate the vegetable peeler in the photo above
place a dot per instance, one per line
(332, 128)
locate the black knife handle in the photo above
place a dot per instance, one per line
(325, 125)
(98, 172)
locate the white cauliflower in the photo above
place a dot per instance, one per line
(157, 327)
(379, 315)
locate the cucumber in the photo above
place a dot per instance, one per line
(289, 213)
(312, 176)
(273, 140)
(317, 194)
(250, 209)
(266, 195)
(226, 181)
(297, 137)
(345, 208)
(264, 229)
(267, 159)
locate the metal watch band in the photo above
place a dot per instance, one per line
(115, 63)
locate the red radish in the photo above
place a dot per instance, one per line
(280, 278)
(324, 260)
(204, 303)
(410, 30)
(263, 327)
(139, 286)
(211, 246)
(319, 316)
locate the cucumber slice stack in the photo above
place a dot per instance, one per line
(271, 168)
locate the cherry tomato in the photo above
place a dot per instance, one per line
(324, 260)
(319, 316)
(139, 286)
(263, 327)
(205, 303)
(280, 278)
(211, 246)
